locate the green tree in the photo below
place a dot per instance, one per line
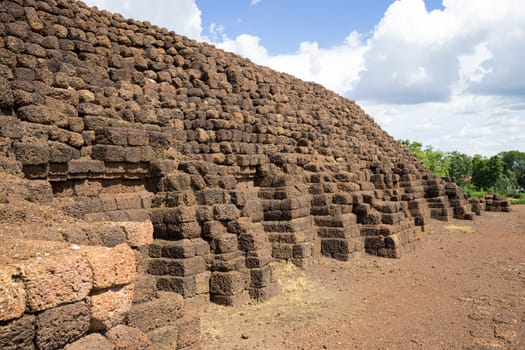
(486, 171)
(434, 160)
(415, 147)
(459, 167)
(507, 184)
(514, 161)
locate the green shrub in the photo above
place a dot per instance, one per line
(473, 192)
(521, 200)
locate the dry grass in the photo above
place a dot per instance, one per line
(298, 300)
(464, 229)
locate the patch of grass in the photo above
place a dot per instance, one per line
(517, 201)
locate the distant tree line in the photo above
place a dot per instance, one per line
(503, 173)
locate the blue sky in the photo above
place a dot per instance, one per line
(283, 24)
(447, 73)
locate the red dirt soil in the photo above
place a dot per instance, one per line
(462, 288)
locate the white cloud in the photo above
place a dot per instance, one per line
(181, 16)
(467, 123)
(245, 45)
(337, 67)
(255, 2)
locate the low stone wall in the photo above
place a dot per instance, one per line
(53, 293)
(495, 202)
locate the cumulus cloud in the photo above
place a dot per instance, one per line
(451, 78)
(336, 67)
(470, 45)
(472, 124)
(181, 16)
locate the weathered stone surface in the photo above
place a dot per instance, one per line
(62, 325)
(110, 266)
(12, 293)
(157, 312)
(18, 334)
(128, 338)
(93, 341)
(110, 307)
(138, 233)
(54, 280)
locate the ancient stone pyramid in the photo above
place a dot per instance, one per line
(197, 166)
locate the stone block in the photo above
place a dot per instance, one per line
(264, 293)
(225, 243)
(18, 334)
(252, 241)
(225, 212)
(11, 127)
(128, 338)
(110, 307)
(137, 137)
(176, 249)
(62, 325)
(212, 229)
(302, 250)
(282, 251)
(185, 230)
(202, 282)
(392, 242)
(156, 313)
(109, 153)
(336, 248)
(163, 167)
(176, 267)
(182, 285)
(211, 197)
(85, 166)
(260, 258)
(288, 237)
(54, 280)
(392, 219)
(226, 283)
(373, 243)
(111, 266)
(138, 233)
(111, 136)
(176, 182)
(260, 277)
(133, 154)
(202, 248)
(62, 153)
(180, 215)
(39, 114)
(12, 293)
(126, 201)
(34, 153)
(145, 288)
(93, 341)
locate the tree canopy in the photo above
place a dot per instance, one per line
(503, 173)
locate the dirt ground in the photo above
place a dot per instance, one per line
(462, 288)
